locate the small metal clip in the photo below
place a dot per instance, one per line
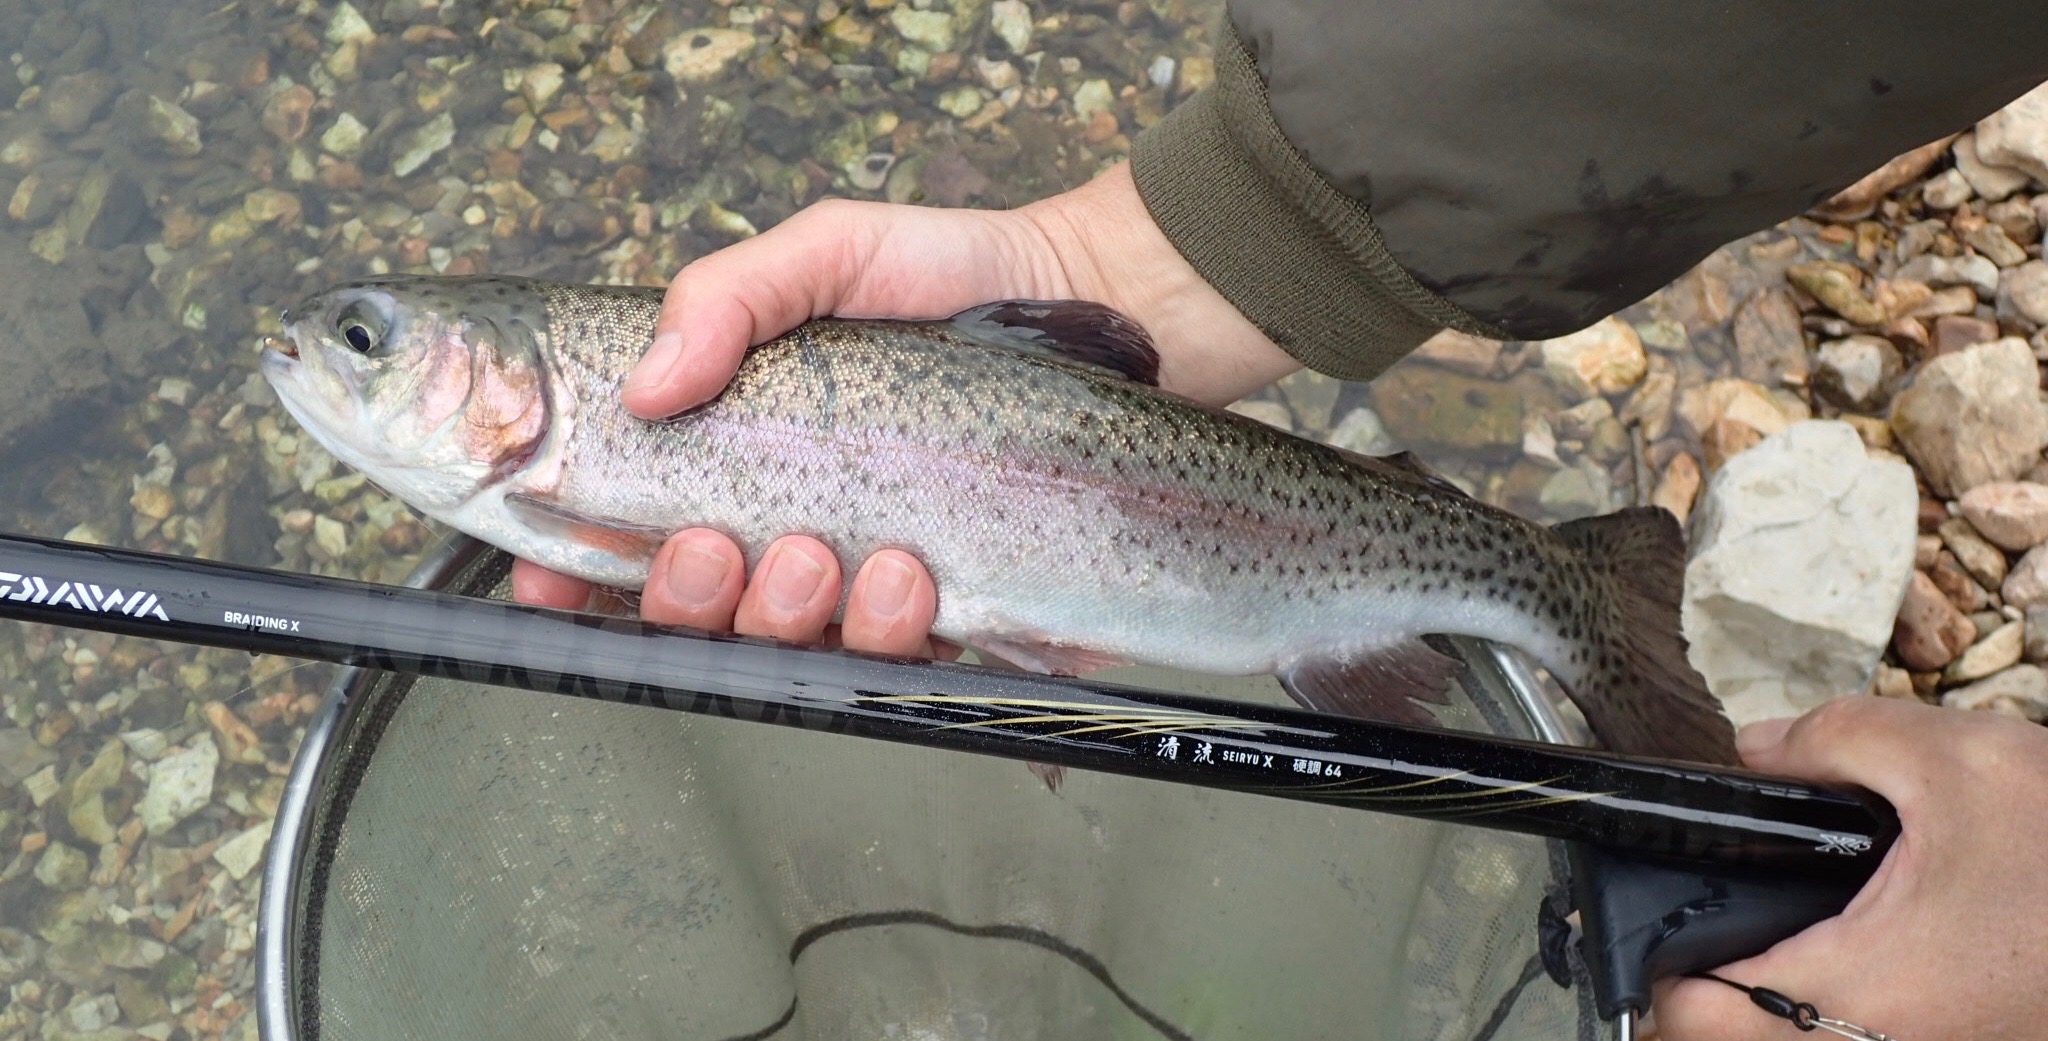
(1848, 1030)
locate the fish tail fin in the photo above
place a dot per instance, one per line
(1642, 696)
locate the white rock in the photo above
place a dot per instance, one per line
(1992, 183)
(2017, 135)
(345, 137)
(241, 854)
(1092, 97)
(1362, 431)
(180, 785)
(347, 25)
(2026, 585)
(1774, 626)
(424, 142)
(1973, 416)
(701, 55)
(2027, 287)
(1946, 190)
(2013, 515)
(539, 84)
(932, 30)
(1011, 20)
(92, 1014)
(1979, 273)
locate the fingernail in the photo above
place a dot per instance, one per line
(793, 578)
(653, 369)
(695, 576)
(1761, 736)
(888, 586)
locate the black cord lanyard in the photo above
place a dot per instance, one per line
(1802, 1014)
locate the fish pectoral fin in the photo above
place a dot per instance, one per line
(1045, 658)
(1072, 331)
(625, 540)
(1384, 684)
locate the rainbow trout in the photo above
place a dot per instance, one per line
(1073, 515)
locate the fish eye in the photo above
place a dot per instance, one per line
(361, 328)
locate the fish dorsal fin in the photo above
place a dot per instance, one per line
(1072, 331)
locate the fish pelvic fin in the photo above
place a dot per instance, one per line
(1387, 684)
(1641, 695)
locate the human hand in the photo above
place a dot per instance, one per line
(1945, 941)
(860, 259)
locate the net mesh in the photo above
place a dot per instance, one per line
(480, 863)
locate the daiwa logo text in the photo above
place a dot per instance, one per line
(82, 596)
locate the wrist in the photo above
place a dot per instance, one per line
(1101, 244)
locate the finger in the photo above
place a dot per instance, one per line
(742, 295)
(1893, 747)
(793, 592)
(533, 584)
(696, 581)
(892, 606)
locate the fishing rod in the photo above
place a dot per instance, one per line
(1646, 807)
(1676, 866)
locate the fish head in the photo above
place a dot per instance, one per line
(404, 379)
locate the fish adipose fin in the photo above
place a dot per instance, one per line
(1384, 684)
(1072, 331)
(623, 541)
(1643, 697)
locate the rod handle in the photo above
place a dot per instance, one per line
(1644, 919)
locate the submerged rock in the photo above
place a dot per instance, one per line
(180, 785)
(1775, 627)
(1604, 358)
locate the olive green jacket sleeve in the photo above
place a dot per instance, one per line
(1366, 172)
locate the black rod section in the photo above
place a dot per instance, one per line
(1651, 807)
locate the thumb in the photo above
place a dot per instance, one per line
(745, 294)
(1883, 744)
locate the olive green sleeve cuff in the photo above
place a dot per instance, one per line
(1299, 258)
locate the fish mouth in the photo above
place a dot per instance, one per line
(281, 345)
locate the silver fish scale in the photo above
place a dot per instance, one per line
(1055, 502)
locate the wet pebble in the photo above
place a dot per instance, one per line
(1606, 358)
(1973, 271)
